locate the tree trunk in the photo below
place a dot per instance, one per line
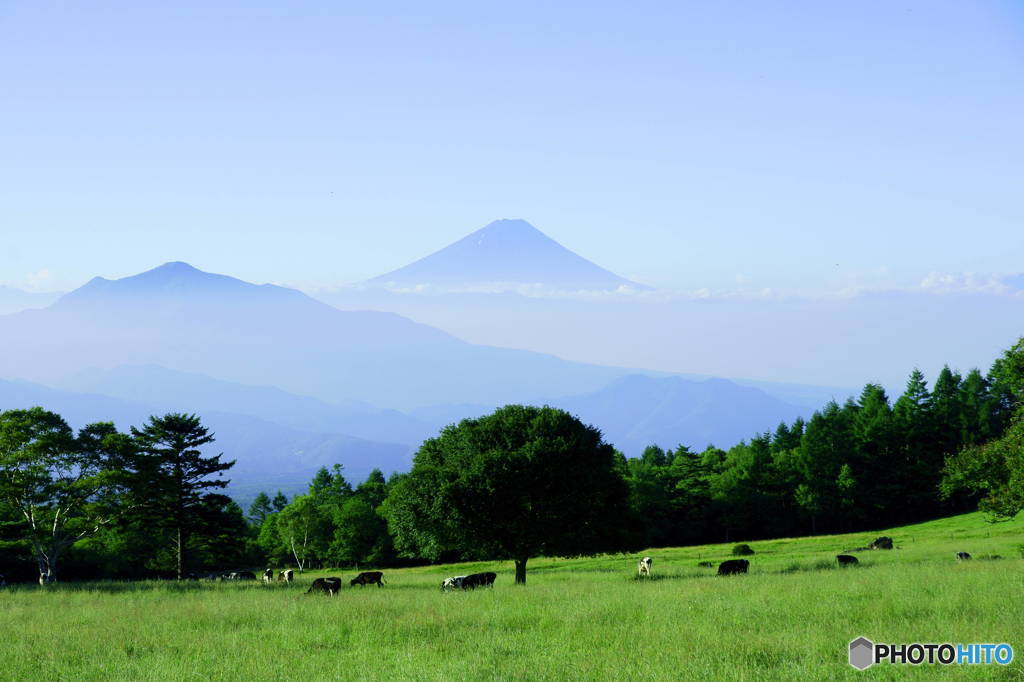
(181, 555)
(521, 571)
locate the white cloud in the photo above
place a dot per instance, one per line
(964, 282)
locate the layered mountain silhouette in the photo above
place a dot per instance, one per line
(12, 299)
(503, 254)
(268, 455)
(636, 411)
(184, 319)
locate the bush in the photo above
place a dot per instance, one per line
(742, 550)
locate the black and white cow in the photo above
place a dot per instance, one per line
(645, 567)
(286, 575)
(475, 580)
(268, 576)
(453, 583)
(329, 586)
(963, 556)
(846, 560)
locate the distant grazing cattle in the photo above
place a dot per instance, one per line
(963, 556)
(846, 560)
(368, 578)
(268, 575)
(329, 586)
(882, 543)
(475, 580)
(241, 575)
(287, 575)
(645, 566)
(705, 564)
(453, 583)
(191, 576)
(733, 567)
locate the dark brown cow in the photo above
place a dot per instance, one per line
(368, 578)
(733, 567)
(846, 560)
(329, 586)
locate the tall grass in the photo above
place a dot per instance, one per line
(789, 619)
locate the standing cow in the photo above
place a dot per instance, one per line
(268, 576)
(846, 560)
(286, 575)
(645, 567)
(368, 578)
(963, 556)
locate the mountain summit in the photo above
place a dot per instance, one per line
(505, 254)
(176, 280)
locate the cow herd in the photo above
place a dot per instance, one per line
(332, 585)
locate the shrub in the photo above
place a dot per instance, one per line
(742, 550)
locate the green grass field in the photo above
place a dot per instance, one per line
(791, 618)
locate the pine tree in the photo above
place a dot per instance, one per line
(173, 477)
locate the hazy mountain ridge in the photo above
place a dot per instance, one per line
(267, 454)
(270, 335)
(13, 300)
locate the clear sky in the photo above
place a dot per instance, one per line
(804, 146)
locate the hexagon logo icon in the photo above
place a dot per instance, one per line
(862, 653)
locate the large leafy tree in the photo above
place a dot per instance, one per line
(995, 471)
(64, 486)
(521, 482)
(173, 479)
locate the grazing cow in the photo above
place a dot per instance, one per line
(733, 567)
(3, 580)
(368, 578)
(268, 575)
(329, 586)
(645, 567)
(883, 542)
(963, 556)
(705, 564)
(191, 576)
(475, 580)
(846, 560)
(241, 575)
(453, 583)
(287, 575)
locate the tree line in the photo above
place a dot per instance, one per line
(518, 483)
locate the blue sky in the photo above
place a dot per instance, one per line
(803, 146)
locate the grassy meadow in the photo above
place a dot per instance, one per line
(790, 618)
